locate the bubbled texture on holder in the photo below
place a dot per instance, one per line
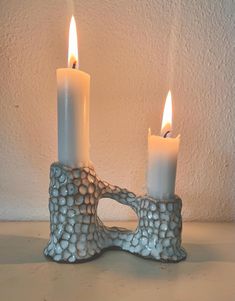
(77, 233)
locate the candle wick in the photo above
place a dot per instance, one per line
(74, 65)
(165, 135)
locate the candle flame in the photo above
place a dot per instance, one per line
(73, 45)
(167, 117)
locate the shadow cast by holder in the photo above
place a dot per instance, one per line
(16, 249)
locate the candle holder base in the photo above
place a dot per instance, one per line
(78, 235)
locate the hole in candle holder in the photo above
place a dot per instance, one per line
(113, 214)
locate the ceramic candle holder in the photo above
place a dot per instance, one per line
(78, 235)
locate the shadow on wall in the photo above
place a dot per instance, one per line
(205, 186)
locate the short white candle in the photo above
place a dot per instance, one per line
(162, 158)
(73, 87)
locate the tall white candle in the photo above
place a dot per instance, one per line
(162, 158)
(73, 87)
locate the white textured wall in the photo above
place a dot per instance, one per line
(135, 51)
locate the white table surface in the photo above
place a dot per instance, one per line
(207, 274)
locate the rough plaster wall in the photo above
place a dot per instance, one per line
(135, 51)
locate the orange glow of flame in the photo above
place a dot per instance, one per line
(73, 45)
(167, 117)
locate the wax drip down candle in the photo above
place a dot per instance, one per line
(162, 157)
(73, 87)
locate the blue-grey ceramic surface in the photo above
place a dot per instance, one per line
(77, 233)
